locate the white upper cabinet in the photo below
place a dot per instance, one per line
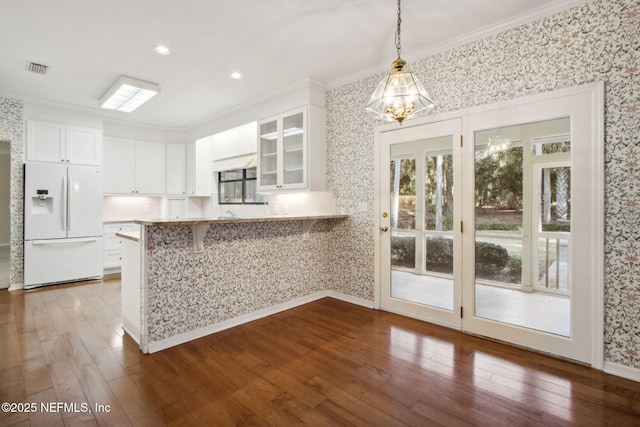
(118, 166)
(149, 167)
(292, 151)
(176, 168)
(59, 143)
(199, 170)
(134, 167)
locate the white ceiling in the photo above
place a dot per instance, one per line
(274, 43)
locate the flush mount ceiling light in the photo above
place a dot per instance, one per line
(236, 75)
(127, 94)
(400, 95)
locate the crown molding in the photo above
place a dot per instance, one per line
(268, 97)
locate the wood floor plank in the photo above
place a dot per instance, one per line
(9, 345)
(327, 363)
(41, 418)
(67, 389)
(12, 391)
(361, 409)
(137, 407)
(261, 396)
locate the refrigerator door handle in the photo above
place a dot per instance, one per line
(69, 197)
(63, 241)
(64, 203)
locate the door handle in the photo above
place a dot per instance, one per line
(384, 228)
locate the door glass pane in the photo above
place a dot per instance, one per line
(421, 188)
(513, 255)
(553, 229)
(438, 208)
(403, 213)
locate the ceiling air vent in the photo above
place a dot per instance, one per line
(37, 68)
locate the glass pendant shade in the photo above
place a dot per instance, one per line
(399, 96)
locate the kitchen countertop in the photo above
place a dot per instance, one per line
(204, 221)
(130, 235)
(111, 220)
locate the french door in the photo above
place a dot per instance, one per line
(420, 208)
(500, 236)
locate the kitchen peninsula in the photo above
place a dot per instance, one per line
(187, 278)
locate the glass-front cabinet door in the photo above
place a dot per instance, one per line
(268, 153)
(282, 149)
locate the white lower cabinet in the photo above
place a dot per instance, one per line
(113, 244)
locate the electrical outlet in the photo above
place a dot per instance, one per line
(147, 208)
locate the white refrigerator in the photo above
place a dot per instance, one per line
(62, 224)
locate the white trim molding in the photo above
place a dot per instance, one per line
(622, 371)
(156, 346)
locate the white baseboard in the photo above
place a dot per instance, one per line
(351, 299)
(208, 330)
(16, 286)
(622, 371)
(131, 330)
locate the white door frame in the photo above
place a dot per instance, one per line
(594, 102)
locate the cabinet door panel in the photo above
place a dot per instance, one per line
(293, 151)
(149, 167)
(283, 152)
(191, 168)
(45, 142)
(118, 166)
(176, 169)
(268, 154)
(83, 146)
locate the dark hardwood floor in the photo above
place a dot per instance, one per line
(328, 363)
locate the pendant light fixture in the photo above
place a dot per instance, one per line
(400, 95)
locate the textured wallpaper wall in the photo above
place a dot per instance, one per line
(598, 41)
(12, 129)
(242, 268)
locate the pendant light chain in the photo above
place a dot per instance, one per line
(398, 47)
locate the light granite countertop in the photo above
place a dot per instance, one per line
(203, 221)
(130, 235)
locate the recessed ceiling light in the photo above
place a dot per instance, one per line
(236, 75)
(161, 50)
